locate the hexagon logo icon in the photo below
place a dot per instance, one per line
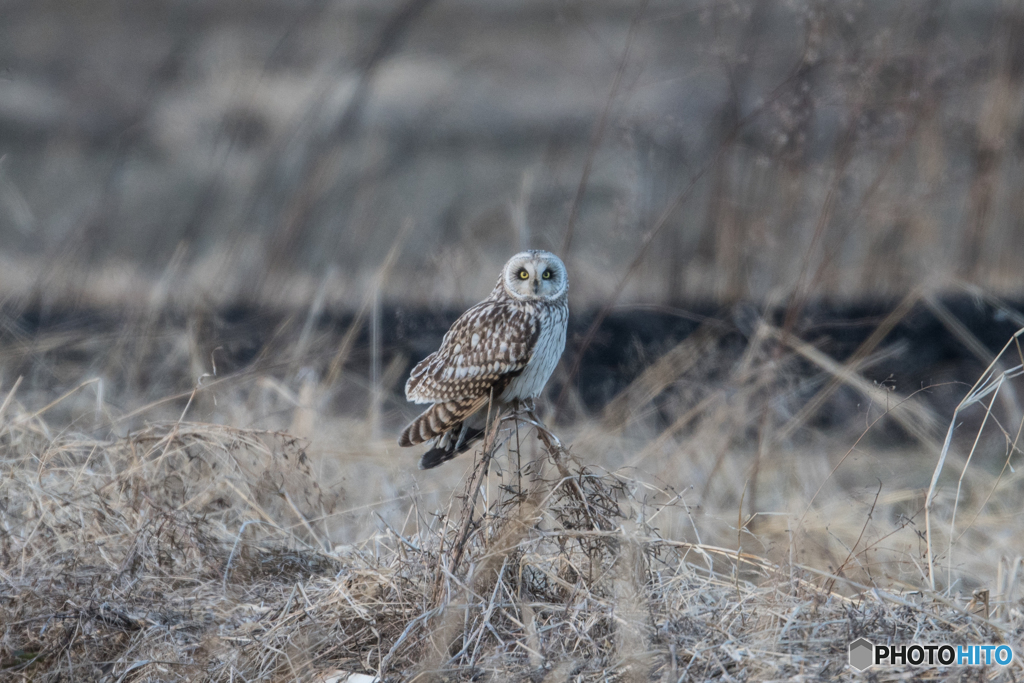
(861, 651)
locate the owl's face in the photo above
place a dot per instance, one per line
(535, 275)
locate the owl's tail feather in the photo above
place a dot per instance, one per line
(458, 440)
(442, 424)
(438, 419)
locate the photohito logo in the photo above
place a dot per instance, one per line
(864, 653)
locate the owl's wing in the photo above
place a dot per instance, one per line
(485, 348)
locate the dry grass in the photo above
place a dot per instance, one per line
(699, 528)
(188, 551)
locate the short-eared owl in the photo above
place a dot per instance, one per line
(504, 348)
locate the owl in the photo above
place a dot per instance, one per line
(503, 348)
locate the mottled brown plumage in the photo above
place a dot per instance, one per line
(490, 341)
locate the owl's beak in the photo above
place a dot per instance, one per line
(536, 284)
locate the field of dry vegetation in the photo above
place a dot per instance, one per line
(243, 530)
(788, 416)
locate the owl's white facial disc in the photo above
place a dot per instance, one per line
(535, 275)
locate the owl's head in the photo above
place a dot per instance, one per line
(535, 275)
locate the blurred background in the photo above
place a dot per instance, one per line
(782, 219)
(242, 152)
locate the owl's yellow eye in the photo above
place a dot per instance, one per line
(523, 275)
(546, 275)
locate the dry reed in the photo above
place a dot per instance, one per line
(200, 552)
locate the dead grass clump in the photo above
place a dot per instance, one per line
(126, 551)
(198, 552)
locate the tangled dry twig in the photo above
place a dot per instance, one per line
(193, 552)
